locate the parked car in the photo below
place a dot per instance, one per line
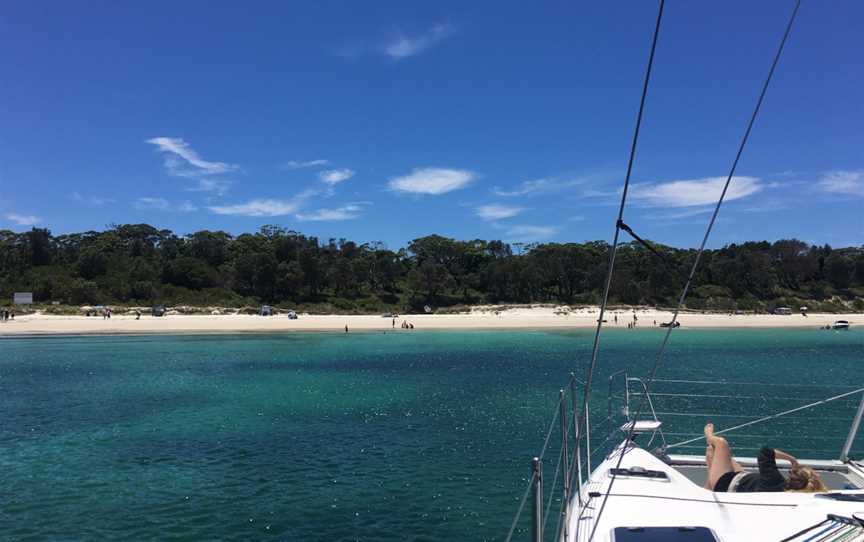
(158, 310)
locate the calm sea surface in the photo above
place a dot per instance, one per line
(399, 436)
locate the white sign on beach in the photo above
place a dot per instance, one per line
(22, 298)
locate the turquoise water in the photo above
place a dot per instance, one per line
(424, 435)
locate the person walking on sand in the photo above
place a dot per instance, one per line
(346, 328)
(393, 324)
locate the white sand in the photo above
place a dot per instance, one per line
(519, 318)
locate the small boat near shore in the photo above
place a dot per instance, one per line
(670, 324)
(840, 324)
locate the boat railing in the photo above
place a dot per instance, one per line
(674, 413)
(737, 408)
(567, 444)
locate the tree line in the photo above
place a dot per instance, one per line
(137, 264)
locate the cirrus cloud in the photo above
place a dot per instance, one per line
(162, 204)
(526, 233)
(299, 164)
(405, 46)
(497, 212)
(181, 160)
(545, 185)
(843, 182)
(693, 192)
(265, 206)
(23, 220)
(433, 181)
(346, 212)
(335, 176)
(258, 207)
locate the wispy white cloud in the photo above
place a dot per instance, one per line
(187, 207)
(258, 207)
(157, 204)
(434, 181)
(92, 200)
(403, 46)
(265, 206)
(693, 192)
(218, 186)
(346, 212)
(497, 212)
(843, 182)
(544, 185)
(162, 204)
(526, 233)
(299, 164)
(676, 215)
(23, 220)
(335, 176)
(181, 160)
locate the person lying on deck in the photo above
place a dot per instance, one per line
(726, 475)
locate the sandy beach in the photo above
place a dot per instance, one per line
(481, 318)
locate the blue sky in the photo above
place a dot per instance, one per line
(392, 120)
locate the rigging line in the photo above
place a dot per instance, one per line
(552, 488)
(663, 259)
(772, 416)
(549, 433)
(533, 475)
(716, 396)
(583, 414)
(696, 261)
(521, 507)
(728, 383)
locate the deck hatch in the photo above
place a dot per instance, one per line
(663, 534)
(639, 472)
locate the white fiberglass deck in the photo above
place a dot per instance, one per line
(679, 501)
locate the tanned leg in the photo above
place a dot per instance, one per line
(721, 460)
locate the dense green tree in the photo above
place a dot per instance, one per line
(137, 263)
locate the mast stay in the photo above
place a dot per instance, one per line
(685, 290)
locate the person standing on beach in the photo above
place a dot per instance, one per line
(346, 328)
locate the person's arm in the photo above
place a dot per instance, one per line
(780, 454)
(768, 470)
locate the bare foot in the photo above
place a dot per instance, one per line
(709, 432)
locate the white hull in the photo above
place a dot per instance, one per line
(679, 501)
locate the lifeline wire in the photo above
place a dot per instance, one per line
(771, 417)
